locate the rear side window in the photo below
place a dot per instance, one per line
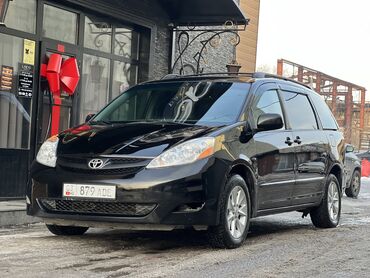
(267, 102)
(326, 117)
(299, 110)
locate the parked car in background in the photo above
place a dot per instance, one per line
(364, 155)
(352, 170)
(207, 151)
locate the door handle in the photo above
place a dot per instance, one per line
(298, 140)
(288, 141)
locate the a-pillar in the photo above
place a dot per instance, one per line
(348, 115)
(362, 109)
(334, 98)
(279, 67)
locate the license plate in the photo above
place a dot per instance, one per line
(89, 191)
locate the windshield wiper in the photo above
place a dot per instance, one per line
(157, 122)
(172, 123)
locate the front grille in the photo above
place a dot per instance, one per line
(96, 208)
(108, 171)
(119, 166)
(126, 160)
(112, 160)
(77, 160)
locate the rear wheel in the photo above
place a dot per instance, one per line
(327, 214)
(354, 189)
(66, 230)
(235, 214)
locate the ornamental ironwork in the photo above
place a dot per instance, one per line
(105, 29)
(121, 38)
(189, 37)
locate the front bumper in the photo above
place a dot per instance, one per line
(180, 196)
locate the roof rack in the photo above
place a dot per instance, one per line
(170, 76)
(270, 75)
(216, 74)
(233, 75)
(226, 74)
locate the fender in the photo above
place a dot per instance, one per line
(358, 167)
(341, 178)
(244, 164)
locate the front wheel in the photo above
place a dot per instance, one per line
(327, 214)
(66, 230)
(235, 212)
(354, 189)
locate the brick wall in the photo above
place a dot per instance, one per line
(247, 49)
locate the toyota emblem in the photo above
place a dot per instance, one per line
(96, 163)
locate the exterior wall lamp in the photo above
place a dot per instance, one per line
(4, 4)
(234, 66)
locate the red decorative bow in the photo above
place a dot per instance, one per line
(63, 75)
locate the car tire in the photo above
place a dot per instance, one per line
(235, 212)
(327, 214)
(354, 189)
(66, 230)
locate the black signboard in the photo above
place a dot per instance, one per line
(25, 80)
(6, 81)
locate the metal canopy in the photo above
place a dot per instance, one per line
(203, 12)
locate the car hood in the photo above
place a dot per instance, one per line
(136, 139)
(363, 155)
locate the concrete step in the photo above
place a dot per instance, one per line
(14, 213)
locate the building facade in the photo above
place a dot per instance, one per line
(247, 49)
(63, 60)
(111, 54)
(236, 47)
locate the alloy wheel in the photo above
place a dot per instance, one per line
(333, 202)
(237, 212)
(356, 184)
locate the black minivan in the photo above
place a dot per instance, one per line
(206, 151)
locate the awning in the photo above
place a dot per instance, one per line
(203, 12)
(186, 12)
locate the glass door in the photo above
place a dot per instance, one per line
(59, 86)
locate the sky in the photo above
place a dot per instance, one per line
(332, 36)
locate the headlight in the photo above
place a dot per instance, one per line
(185, 153)
(47, 154)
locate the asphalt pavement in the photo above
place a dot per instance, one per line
(282, 245)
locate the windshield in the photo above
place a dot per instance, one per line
(201, 103)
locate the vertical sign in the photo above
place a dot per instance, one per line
(29, 52)
(6, 83)
(25, 80)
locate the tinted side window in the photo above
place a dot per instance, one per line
(299, 110)
(267, 102)
(327, 119)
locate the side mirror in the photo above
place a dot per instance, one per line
(89, 117)
(350, 149)
(269, 121)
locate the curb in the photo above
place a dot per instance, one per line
(16, 217)
(14, 213)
